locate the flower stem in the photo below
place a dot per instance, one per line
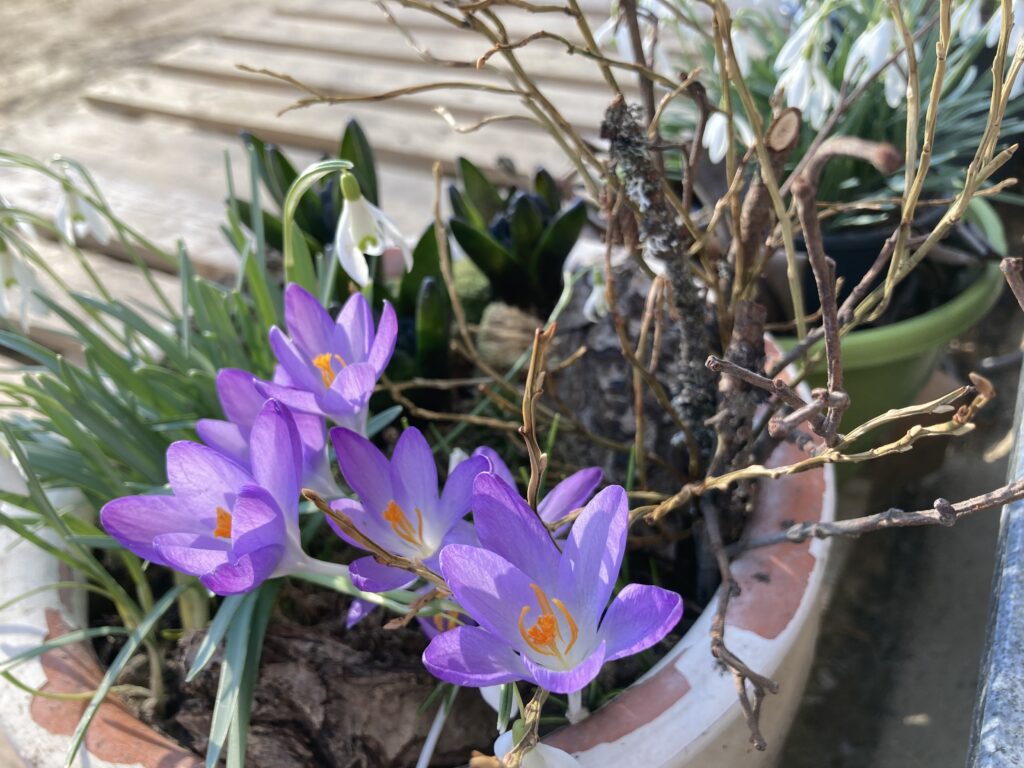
(576, 713)
(434, 734)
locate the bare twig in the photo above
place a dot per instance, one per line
(1013, 271)
(943, 513)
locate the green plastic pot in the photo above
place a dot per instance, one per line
(885, 368)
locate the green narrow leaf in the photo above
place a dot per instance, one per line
(526, 225)
(547, 188)
(463, 208)
(432, 324)
(218, 627)
(185, 280)
(231, 669)
(135, 639)
(425, 263)
(554, 247)
(486, 252)
(380, 421)
(267, 595)
(357, 150)
(482, 193)
(75, 636)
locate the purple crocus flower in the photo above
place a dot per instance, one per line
(399, 507)
(542, 612)
(330, 366)
(567, 496)
(231, 528)
(242, 403)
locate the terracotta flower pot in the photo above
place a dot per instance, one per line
(683, 713)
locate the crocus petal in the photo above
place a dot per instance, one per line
(354, 510)
(238, 396)
(309, 325)
(248, 572)
(226, 438)
(490, 589)
(458, 490)
(507, 526)
(364, 468)
(498, 465)
(295, 398)
(195, 554)
(358, 611)
(370, 576)
(593, 554)
(350, 257)
(570, 494)
(136, 520)
(413, 472)
(639, 617)
(567, 680)
(354, 329)
(298, 366)
(472, 657)
(203, 478)
(383, 345)
(351, 390)
(276, 456)
(256, 521)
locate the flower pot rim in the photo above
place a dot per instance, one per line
(684, 712)
(905, 339)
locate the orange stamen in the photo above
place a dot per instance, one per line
(325, 363)
(222, 530)
(543, 636)
(400, 524)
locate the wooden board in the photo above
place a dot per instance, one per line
(219, 59)
(518, 22)
(398, 133)
(545, 60)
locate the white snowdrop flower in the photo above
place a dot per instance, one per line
(363, 229)
(541, 756)
(795, 48)
(966, 19)
(456, 457)
(869, 51)
(716, 134)
(596, 305)
(807, 87)
(75, 217)
(996, 22)
(18, 281)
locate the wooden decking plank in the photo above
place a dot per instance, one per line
(545, 60)
(518, 22)
(397, 133)
(334, 73)
(123, 282)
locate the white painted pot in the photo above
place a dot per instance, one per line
(37, 730)
(682, 713)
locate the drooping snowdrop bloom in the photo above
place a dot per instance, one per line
(541, 756)
(807, 87)
(399, 507)
(328, 366)
(19, 285)
(716, 134)
(966, 19)
(363, 229)
(541, 612)
(231, 528)
(242, 403)
(995, 24)
(75, 217)
(596, 305)
(869, 51)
